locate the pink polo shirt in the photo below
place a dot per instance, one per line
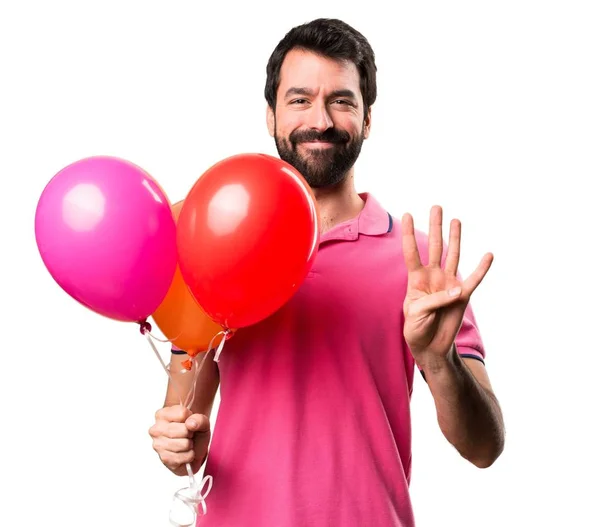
(314, 426)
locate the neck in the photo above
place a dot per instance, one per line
(338, 203)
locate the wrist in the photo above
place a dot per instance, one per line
(436, 364)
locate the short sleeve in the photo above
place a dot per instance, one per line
(175, 350)
(468, 339)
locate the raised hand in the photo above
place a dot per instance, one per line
(435, 299)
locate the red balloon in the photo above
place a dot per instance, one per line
(247, 235)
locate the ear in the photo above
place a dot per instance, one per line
(368, 124)
(271, 121)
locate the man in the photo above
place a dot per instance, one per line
(314, 421)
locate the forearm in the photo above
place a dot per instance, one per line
(468, 414)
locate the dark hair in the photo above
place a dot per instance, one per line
(331, 38)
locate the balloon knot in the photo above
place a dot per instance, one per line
(145, 327)
(187, 364)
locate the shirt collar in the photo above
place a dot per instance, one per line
(372, 220)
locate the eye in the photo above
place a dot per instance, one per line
(298, 101)
(341, 101)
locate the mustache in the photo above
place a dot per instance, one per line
(331, 135)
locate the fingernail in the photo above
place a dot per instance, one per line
(455, 291)
(193, 424)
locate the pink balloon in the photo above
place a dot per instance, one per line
(106, 233)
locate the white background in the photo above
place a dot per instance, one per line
(491, 109)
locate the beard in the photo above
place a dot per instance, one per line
(321, 167)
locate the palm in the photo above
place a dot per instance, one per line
(432, 315)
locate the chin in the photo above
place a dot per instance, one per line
(329, 183)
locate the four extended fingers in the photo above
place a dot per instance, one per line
(411, 252)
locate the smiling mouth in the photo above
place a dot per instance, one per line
(318, 144)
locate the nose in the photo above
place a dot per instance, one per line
(319, 118)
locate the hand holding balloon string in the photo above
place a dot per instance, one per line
(191, 496)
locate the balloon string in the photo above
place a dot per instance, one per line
(165, 367)
(190, 398)
(175, 387)
(227, 333)
(163, 340)
(198, 369)
(191, 496)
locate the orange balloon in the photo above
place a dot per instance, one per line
(180, 317)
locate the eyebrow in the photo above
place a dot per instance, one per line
(306, 91)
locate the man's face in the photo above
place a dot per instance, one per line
(319, 123)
